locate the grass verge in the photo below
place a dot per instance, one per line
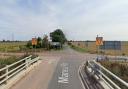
(83, 50)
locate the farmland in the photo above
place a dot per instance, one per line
(12, 46)
(122, 48)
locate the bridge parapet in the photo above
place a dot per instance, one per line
(101, 73)
(10, 74)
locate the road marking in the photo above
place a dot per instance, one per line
(64, 74)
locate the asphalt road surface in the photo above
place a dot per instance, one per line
(59, 70)
(66, 75)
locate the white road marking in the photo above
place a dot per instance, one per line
(64, 75)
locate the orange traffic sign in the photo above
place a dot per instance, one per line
(99, 41)
(34, 41)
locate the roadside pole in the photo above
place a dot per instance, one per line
(115, 49)
(98, 52)
(34, 43)
(35, 49)
(99, 42)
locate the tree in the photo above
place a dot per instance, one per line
(29, 44)
(58, 36)
(45, 42)
(39, 42)
(3, 40)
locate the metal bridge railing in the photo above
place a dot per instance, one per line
(11, 70)
(111, 79)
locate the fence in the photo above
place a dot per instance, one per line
(11, 70)
(113, 81)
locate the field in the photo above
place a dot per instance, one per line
(92, 48)
(12, 46)
(118, 68)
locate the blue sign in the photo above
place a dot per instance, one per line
(111, 45)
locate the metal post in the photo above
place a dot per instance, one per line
(97, 53)
(29, 61)
(115, 48)
(35, 49)
(7, 74)
(97, 50)
(26, 63)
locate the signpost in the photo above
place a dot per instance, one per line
(34, 43)
(99, 42)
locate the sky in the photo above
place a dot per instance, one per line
(79, 19)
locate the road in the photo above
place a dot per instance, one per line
(66, 73)
(39, 77)
(58, 70)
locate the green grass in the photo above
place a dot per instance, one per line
(79, 49)
(12, 46)
(8, 61)
(12, 59)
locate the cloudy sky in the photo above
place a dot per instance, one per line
(79, 19)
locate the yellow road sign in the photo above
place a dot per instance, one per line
(34, 41)
(99, 41)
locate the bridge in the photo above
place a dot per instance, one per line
(66, 69)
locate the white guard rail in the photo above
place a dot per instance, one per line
(111, 79)
(11, 70)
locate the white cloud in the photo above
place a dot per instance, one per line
(80, 19)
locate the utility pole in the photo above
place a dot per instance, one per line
(12, 37)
